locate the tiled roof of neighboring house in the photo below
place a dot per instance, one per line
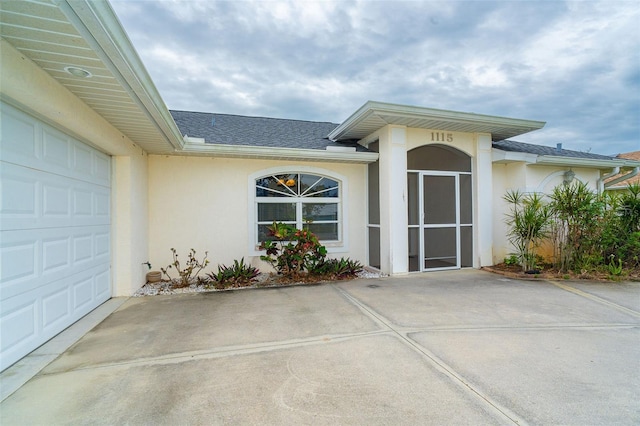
(508, 145)
(226, 129)
(634, 155)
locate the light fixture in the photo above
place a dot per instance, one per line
(78, 72)
(568, 176)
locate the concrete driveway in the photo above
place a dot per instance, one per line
(464, 347)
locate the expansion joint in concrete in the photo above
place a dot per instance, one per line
(595, 298)
(440, 365)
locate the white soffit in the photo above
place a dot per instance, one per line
(375, 115)
(85, 34)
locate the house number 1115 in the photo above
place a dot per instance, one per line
(441, 137)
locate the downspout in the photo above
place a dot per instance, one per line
(629, 175)
(613, 172)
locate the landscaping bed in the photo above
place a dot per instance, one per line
(547, 272)
(263, 280)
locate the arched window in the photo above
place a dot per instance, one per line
(304, 200)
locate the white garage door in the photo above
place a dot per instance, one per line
(54, 232)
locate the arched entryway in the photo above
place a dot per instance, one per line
(440, 208)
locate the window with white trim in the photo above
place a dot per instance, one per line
(304, 200)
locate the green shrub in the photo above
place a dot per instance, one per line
(512, 260)
(238, 275)
(292, 251)
(337, 268)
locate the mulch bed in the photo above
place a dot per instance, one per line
(549, 273)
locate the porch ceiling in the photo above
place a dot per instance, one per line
(56, 34)
(375, 115)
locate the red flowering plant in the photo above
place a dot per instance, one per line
(292, 251)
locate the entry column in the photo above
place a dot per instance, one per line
(394, 251)
(483, 201)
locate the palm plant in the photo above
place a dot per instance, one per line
(528, 221)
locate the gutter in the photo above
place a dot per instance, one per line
(197, 146)
(622, 178)
(584, 162)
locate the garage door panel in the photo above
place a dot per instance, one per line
(19, 260)
(18, 325)
(56, 151)
(56, 309)
(19, 135)
(56, 201)
(56, 254)
(83, 293)
(19, 194)
(102, 288)
(28, 142)
(31, 318)
(101, 172)
(30, 258)
(34, 199)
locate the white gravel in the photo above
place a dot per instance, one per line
(163, 287)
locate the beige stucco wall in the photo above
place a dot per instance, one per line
(29, 88)
(203, 203)
(526, 178)
(465, 142)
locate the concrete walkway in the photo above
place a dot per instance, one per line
(464, 347)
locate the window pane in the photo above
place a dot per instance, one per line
(414, 198)
(324, 231)
(318, 186)
(439, 199)
(263, 232)
(466, 200)
(281, 212)
(440, 247)
(373, 171)
(283, 185)
(318, 212)
(374, 247)
(414, 249)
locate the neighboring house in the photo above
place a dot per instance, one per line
(98, 177)
(621, 181)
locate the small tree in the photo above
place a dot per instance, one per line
(528, 221)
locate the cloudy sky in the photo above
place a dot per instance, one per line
(575, 65)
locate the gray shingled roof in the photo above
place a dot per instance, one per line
(513, 146)
(226, 129)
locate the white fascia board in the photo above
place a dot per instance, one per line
(500, 156)
(100, 27)
(372, 107)
(193, 146)
(592, 163)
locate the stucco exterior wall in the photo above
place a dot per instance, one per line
(29, 88)
(465, 142)
(204, 203)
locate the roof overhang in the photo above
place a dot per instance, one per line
(374, 115)
(197, 146)
(86, 34)
(500, 156)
